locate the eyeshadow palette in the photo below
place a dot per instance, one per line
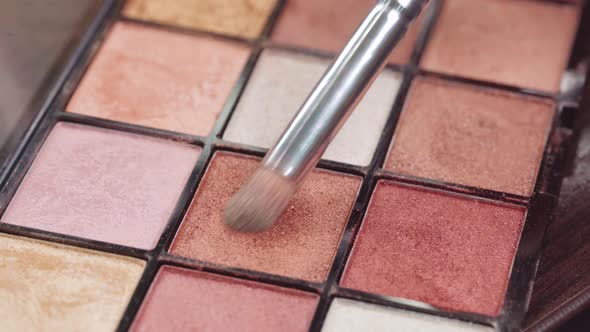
(426, 213)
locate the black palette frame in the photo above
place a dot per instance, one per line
(540, 205)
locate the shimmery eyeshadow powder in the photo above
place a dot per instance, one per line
(156, 78)
(521, 43)
(301, 244)
(328, 24)
(51, 287)
(240, 18)
(445, 250)
(185, 300)
(103, 185)
(472, 136)
(279, 85)
(350, 316)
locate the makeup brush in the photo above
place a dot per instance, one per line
(260, 202)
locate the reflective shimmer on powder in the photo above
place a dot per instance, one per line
(156, 78)
(328, 24)
(302, 243)
(448, 251)
(521, 43)
(472, 136)
(351, 316)
(240, 18)
(279, 85)
(51, 287)
(185, 300)
(103, 185)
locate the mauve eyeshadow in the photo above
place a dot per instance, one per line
(328, 24)
(103, 185)
(521, 43)
(302, 243)
(446, 250)
(185, 300)
(474, 136)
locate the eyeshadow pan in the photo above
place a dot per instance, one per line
(521, 43)
(103, 185)
(156, 78)
(445, 250)
(327, 25)
(240, 18)
(473, 136)
(278, 87)
(185, 300)
(347, 315)
(52, 287)
(302, 244)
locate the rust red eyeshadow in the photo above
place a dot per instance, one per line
(446, 250)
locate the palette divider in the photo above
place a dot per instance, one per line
(143, 286)
(130, 128)
(185, 31)
(152, 264)
(526, 262)
(194, 264)
(410, 305)
(486, 84)
(455, 188)
(330, 165)
(74, 241)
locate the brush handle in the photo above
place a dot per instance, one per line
(341, 88)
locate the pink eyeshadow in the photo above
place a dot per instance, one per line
(503, 41)
(328, 24)
(302, 244)
(103, 185)
(156, 78)
(448, 251)
(184, 300)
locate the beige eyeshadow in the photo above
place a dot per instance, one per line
(521, 43)
(241, 18)
(157, 78)
(472, 136)
(52, 287)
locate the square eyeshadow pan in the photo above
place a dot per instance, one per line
(185, 300)
(302, 243)
(280, 84)
(156, 78)
(51, 287)
(103, 185)
(326, 25)
(473, 136)
(448, 251)
(520, 43)
(239, 18)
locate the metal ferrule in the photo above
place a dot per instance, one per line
(343, 85)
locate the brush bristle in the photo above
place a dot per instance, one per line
(259, 203)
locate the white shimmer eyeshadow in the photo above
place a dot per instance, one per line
(348, 315)
(279, 85)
